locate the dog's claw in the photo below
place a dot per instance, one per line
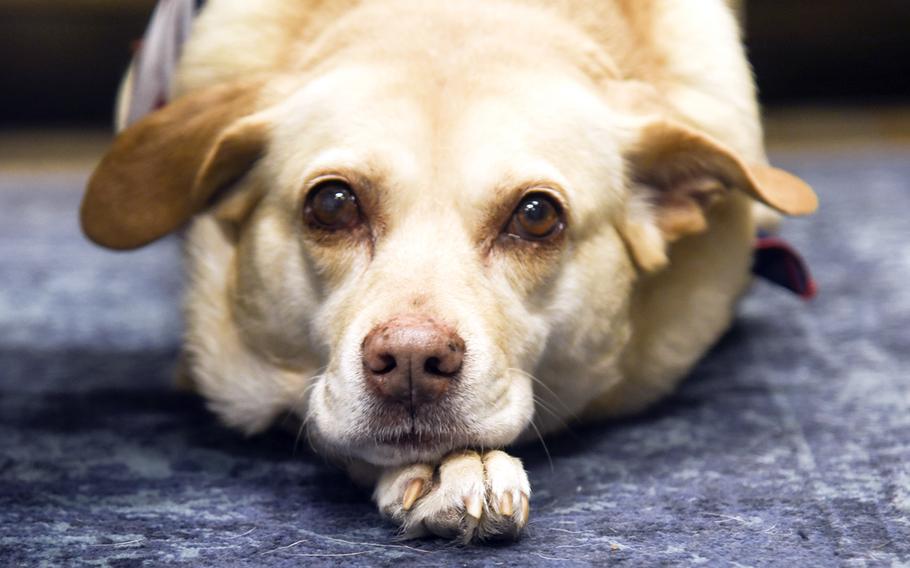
(413, 492)
(505, 505)
(525, 510)
(473, 505)
(468, 496)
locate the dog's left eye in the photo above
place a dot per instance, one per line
(332, 205)
(538, 217)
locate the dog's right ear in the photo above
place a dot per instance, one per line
(678, 173)
(173, 164)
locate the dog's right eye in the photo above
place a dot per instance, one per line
(538, 217)
(332, 205)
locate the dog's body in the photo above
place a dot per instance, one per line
(633, 119)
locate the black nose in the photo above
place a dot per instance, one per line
(412, 360)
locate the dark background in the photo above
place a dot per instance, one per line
(61, 60)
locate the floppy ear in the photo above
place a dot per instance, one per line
(172, 164)
(681, 173)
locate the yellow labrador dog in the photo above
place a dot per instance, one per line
(431, 229)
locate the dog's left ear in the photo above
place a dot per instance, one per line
(680, 173)
(173, 164)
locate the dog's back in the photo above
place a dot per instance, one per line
(688, 50)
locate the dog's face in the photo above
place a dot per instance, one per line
(428, 248)
(403, 252)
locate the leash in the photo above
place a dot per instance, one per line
(149, 82)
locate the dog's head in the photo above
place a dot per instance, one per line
(399, 246)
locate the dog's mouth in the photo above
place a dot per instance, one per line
(391, 449)
(404, 435)
(413, 440)
(409, 448)
(419, 428)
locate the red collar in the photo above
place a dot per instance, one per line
(779, 263)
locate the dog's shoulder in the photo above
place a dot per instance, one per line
(236, 38)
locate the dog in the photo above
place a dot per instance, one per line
(432, 230)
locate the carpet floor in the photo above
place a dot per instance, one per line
(788, 445)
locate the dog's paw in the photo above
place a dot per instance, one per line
(468, 497)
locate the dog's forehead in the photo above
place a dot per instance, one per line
(429, 134)
(352, 118)
(531, 127)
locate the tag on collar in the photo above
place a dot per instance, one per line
(151, 74)
(779, 263)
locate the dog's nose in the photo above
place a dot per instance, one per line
(412, 360)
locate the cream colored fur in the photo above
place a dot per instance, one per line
(443, 103)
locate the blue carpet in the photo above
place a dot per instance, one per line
(789, 445)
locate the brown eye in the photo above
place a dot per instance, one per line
(332, 205)
(537, 217)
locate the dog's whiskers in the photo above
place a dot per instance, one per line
(543, 444)
(543, 385)
(311, 382)
(543, 406)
